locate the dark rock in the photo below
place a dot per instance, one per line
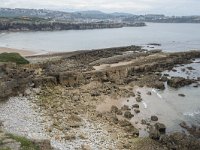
(135, 106)
(119, 112)
(138, 99)
(190, 68)
(174, 70)
(128, 115)
(148, 93)
(143, 121)
(183, 125)
(114, 109)
(196, 86)
(154, 118)
(114, 119)
(125, 107)
(160, 127)
(154, 133)
(136, 111)
(181, 95)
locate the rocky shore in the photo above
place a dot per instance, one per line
(70, 93)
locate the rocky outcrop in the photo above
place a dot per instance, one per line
(14, 80)
(177, 82)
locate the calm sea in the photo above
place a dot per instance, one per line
(173, 37)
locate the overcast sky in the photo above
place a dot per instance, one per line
(168, 7)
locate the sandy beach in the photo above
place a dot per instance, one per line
(21, 52)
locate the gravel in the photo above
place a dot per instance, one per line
(22, 117)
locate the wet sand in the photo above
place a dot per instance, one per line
(21, 52)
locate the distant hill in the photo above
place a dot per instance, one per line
(119, 14)
(44, 13)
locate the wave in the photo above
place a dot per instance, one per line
(192, 114)
(145, 104)
(154, 90)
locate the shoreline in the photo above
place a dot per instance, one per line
(24, 53)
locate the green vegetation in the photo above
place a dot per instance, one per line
(25, 143)
(5, 149)
(13, 57)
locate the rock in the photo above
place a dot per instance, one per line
(1, 123)
(127, 145)
(86, 147)
(158, 85)
(174, 70)
(183, 125)
(154, 133)
(190, 68)
(183, 69)
(27, 92)
(125, 107)
(124, 123)
(132, 131)
(99, 114)
(181, 95)
(160, 127)
(43, 144)
(70, 136)
(75, 98)
(196, 86)
(94, 93)
(143, 121)
(148, 93)
(83, 136)
(114, 109)
(137, 111)
(114, 119)
(128, 115)
(138, 99)
(154, 118)
(135, 106)
(119, 112)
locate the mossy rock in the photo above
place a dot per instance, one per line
(13, 57)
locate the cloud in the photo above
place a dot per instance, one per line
(132, 6)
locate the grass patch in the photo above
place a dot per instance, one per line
(13, 57)
(26, 144)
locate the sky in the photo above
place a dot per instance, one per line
(167, 7)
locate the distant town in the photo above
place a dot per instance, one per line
(95, 16)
